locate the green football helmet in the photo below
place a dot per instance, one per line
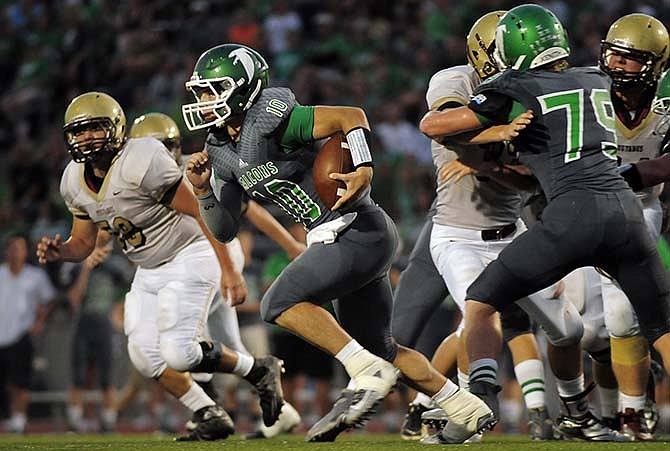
(98, 112)
(233, 75)
(639, 37)
(159, 126)
(528, 37)
(661, 103)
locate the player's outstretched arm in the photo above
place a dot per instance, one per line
(233, 285)
(80, 244)
(501, 133)
(267, 224)
(452, 121)
(646, 173)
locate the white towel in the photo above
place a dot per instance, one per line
(327, 232)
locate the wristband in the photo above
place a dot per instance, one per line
(358, 140)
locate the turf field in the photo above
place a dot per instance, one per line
(349, 442)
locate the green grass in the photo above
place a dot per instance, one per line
(349, 442)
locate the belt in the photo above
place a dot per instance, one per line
(498, 234)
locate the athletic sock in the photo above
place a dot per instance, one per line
(196, 398)
(244, 364)
(463, 380)
(483, 370)
(609, 401)
(447, 390)
(571, 387)
(422, 399)
(631, 402)
(530, 375)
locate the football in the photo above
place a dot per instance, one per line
(334, 156)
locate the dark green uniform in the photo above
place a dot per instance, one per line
(271, 162)
(592, 218)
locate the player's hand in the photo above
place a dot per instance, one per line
(198, 172)
(455, 170)
(356, 183)
(98, 256)
(48, 249)
(511, 130)
(233, 287)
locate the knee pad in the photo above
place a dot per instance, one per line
(620, 318)
(514, 322)
(180, 355)
(559, 318)
(146, 364)
(629, 350)
(131, 312)
(168, 307)
(573, 328)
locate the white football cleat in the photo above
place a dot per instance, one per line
(372, 384)
(468, 415)
(289, 419)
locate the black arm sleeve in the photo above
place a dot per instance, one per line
(222, 217)
(652, 172)
(494, 106)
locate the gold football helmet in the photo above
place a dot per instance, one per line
(100, 114)
(480, 44)
(639, 37)
(159, 126)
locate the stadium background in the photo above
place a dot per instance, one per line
(374, 54)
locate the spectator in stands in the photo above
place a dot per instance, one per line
(97, 285)
(26, 300)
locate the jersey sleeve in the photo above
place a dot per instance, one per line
(494, 101)
(491, 107)
(451, 85)
(272, 110)
(299, 128)
(162, 174)
(69, 194)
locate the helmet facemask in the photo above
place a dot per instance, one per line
(661, 103)
(195, 114)
(226, 81)
(91, 148)
(622, 79)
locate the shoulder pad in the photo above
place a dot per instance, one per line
(272, 108)
(453, 84)
(136, 158)
(69, 182)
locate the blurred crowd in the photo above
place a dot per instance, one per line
(370, 53)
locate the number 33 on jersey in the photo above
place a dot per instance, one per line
(128, 204)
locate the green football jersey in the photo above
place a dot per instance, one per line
(571, 143)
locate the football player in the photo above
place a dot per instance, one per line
(477, 217)
(634, 54)
(256, 144)
(648, 173)
(133, 189)
(592, 217)
(222, 322)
